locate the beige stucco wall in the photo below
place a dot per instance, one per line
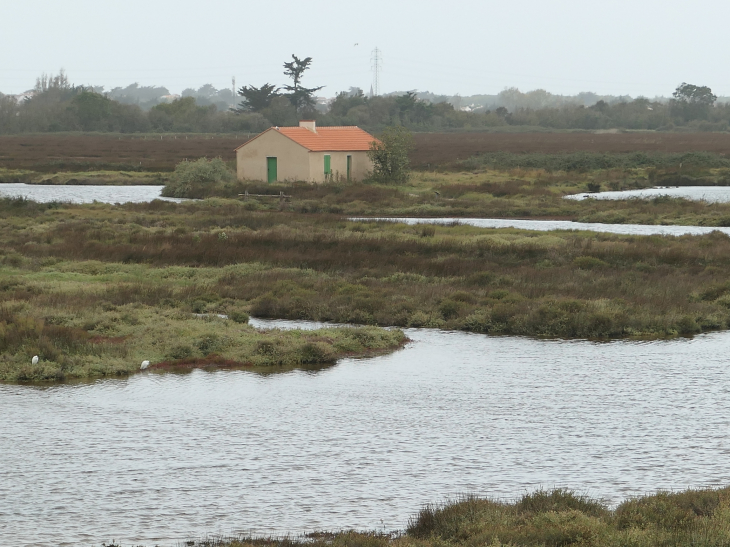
(292, 159)
(361, 165)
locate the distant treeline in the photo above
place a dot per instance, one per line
(147, 97)
(421, 115)
(71, 108)
(58, 106)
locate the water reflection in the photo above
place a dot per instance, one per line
(155, 458)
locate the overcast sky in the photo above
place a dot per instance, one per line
(634, 47)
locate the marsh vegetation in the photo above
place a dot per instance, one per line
(501, 192)
(97, 274)
(85, 317)
(300, 259)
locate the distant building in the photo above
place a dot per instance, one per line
(308, 153)
(24, 96)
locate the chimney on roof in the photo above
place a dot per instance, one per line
(309, 124)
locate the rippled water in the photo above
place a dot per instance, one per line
(548, 225)
(84, 194)
(710, 194)
(156, 458)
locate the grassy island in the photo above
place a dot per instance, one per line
(88, 318)
(84, 178)
(82, 334)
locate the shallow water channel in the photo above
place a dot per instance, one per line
(549, 225)
(157, 458)
(45, 193)
(126, 194)
(710, 194)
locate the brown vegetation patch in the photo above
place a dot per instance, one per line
(50, 153)
(442, 148)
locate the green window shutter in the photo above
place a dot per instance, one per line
(327, 165)
(349, 167)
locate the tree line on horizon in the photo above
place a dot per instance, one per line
(57, 106)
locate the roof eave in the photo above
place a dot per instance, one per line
(266, 131)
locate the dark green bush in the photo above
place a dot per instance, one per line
(239, 316)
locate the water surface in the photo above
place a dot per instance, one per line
(84, 194)
(549, 225)
(710, 194)
(156, 458)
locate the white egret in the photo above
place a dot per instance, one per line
(144, 365)
(34, 361)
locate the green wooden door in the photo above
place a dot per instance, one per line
(349, 166)
(271, 169)
(327, 165)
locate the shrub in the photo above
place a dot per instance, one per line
(481, 279)
(390, 155)
(419, 319)
(450, 308)
(594, 186)
(428, 231)
(191, 177)
(479, 321)
(588, 262)
(266, 348)
(238, 316)
(313, 353)
(209, 344)
(198, 306)
(180, 352)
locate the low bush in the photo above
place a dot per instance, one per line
(239, 316)
(194, 179)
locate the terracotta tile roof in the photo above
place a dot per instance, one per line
(327, 139)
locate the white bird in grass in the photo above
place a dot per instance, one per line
(144, 365)
(34, 361)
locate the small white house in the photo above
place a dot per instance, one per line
(307, 152)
